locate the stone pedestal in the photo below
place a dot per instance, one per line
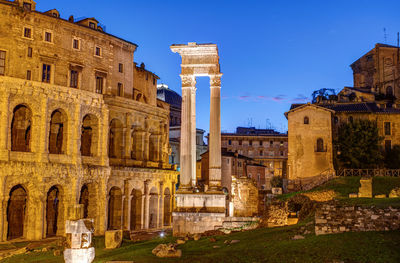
(198, 212)
(366, 188)
(79, 241)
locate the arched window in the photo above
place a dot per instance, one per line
(56, 133)
(89, 135)
(21, 129)
(306, 120)
(389, 91)
(351, 119)
(320, 145)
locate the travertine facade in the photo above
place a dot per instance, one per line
(79, 124)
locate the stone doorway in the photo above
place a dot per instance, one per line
(16, 212)
(114, 208)
(52, 211)
(136, 209)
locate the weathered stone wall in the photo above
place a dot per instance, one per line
(334, 218)
(244, 197)
(305, 161)
(276, 214)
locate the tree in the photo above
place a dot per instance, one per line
(358, 145)
(392, 158)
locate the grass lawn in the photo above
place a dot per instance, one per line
(260, 245)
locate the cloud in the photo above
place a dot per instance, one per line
(281, 98)
(300, 98)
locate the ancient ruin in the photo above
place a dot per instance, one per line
(198, 212)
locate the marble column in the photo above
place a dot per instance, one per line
(188, 128)
(215, 133)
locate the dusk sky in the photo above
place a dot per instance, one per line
(272, 53)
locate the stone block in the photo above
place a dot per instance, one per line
(366, 188)
(394, 192)
(166, 251)
(353, 195)
(113, 239)
(276, 190)
(79, 255)
(380, 196)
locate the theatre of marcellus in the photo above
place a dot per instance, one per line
(81, 129)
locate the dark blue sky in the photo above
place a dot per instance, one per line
(272, 53)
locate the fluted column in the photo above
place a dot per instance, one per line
(215, 133)
(187, 125)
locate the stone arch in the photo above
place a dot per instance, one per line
(90, 135)
(153, 208)
(58, 132)
(115, 139)
(320, 145)
(167, 207)
(54, 211)
(306, 120)
(115, 208)
(154, 147)
(136, 210)
(16, 211)
(21, 128)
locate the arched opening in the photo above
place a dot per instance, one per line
(136, 209)
(84, 200)
(89, 135)
(167, 207)
(320, 145)
(153, 208)
(389, 91)
(52, 211)
(306, 120)
(21, 129)
(115, 136)
(351, 119)
(114, 208)
(16, 212)
(57, 133)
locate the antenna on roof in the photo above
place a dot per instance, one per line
(384, 35)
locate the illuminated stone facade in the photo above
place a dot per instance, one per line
(313, 127)
(79, 124)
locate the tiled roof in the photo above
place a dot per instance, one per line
(360, 107)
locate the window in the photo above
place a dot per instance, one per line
(261, 153)
(281, 153)
(388, 145)
(27, 32)
(250, 143)
(281, 143)
(306, 120)
(28, 75)
(120, 90)
(351, 119)
(336, 120)
(99, 84)
(120, 68)
(46, 73)
(320, 145)
(229, 142)
(92, 25)
(47, 37)
(261, 143)
(98, 51)
(2, 62)
(387, 128)
(29, 52)
(271, 143)
(73, 79)
(75, 43)
(27, 6)
(240, 142)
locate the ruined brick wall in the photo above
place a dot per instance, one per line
(334, 218)
(244, 197)
(276, 214)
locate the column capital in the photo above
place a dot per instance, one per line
(188, 80)
(215, 81)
